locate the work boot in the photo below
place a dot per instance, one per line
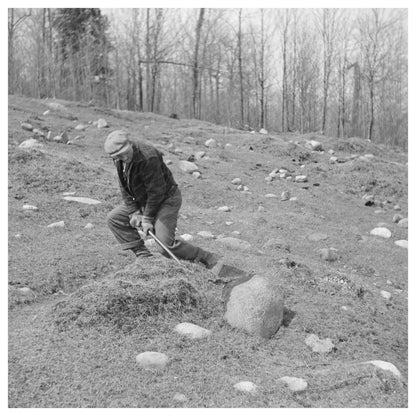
(141, 251)
(209, 260)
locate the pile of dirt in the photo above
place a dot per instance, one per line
(153, 288)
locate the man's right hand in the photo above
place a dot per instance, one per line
(135, 219)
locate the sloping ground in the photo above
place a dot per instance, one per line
(94, 366)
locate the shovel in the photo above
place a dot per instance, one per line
(161, 245)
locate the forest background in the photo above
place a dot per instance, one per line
(338, 72)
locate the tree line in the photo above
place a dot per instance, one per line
(339, 72)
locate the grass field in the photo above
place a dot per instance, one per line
(73, 338)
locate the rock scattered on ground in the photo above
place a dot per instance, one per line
(270, 196)
(397, 208)
(188, 167)
(27, 126)
(276, 244)
(101, 123)
(321, 346)
(29, 207)
(260, 208)
(187, 237)
(206, 234)
(294, 383)
(255, 305)
(211, 143)
(263, 131)
(229, 223)
(199, 155)
(317, 237)
(225, 208)
(301, 178)
(246, 387)
(81, 127)
(381, 232)
(403, 223)
(328, 254)
(235, 243)
(386, 366)
(82, 200)
(192, 331)
(285, 196)
(151, 360)
(58, 224)
(236, 181)
(402, 243)
(385, 294)
(196, 175)
(179, 397)
(89, 226)
(313, 145)
(31, 144)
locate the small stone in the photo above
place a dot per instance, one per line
(246, 387)
(301, 178)
(228, 145)
(344, 308)
(331, 151)
(386, 366)
(196, 175)
(402, 243)
(101, 123)
(403, 223)
(321, 346)
(333, 159)
(295, 383)
(187, 237)
(206, 234)
(381, 232)
(18, 236)
(285, 195)
(313, 145)
(81, 127)
(31, 144)
(268, 179)
(58, 224)
(151, 360)
(30, 207)
(26, 291)
(288, 178)
(294, 198)
(235, 243)
(236, 233)
(236, 181)
(385, 294)
(179, 397)
(27, 126)
(245, 188)
(168, 162)
(82, 200)
(379, 211)
(276, 244)
(270, 196)
(211, 143)
(192, 331)
(263, 131)
(397, 208)
(224, 209)
(397, 218)
(89, 226)
(260, 208)
(389, 282)
(199, 155)
(188, 167)
(283, 175)
(317, 237)
(240, 187)
(328, 254)
(68, 193)
(229, 223)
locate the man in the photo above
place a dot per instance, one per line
(152, 199)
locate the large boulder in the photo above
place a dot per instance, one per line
(255, 305)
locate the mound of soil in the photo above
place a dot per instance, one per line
(155, 287)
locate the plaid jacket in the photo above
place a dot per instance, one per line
(147, 181)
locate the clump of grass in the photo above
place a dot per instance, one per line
(153, 288)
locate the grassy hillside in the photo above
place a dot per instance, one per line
(61, 356)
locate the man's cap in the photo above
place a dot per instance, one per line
(116, 143)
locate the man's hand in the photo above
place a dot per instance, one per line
(146, 227)
(135, 219)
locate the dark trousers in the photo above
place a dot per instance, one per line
(118, 221)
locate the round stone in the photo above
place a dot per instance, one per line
(151, 360)
(192, 331)
(246, 387)
(294, 383)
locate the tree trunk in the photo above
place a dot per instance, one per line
(240, 68)
(195, 73)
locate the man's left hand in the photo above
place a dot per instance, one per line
(146, 227)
